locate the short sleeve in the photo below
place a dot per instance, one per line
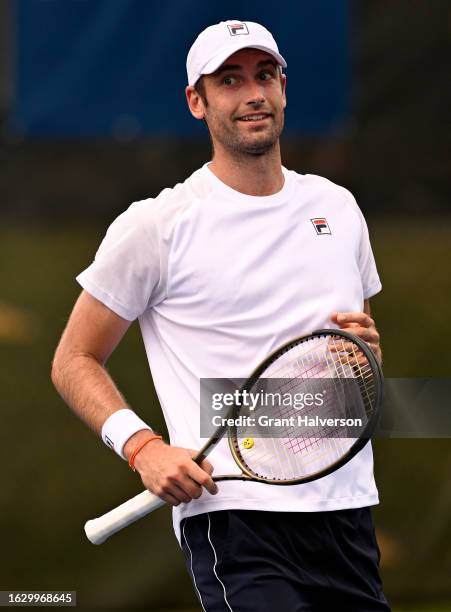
(371, 283)
(368, 271)
(126, 274)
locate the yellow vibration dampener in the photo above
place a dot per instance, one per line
(248, 442)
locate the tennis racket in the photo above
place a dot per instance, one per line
(349, 378)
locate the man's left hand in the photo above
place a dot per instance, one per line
(362, 325)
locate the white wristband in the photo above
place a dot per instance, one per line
(119, 427)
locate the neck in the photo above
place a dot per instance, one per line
(255, 175)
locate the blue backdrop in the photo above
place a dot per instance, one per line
(101, 68)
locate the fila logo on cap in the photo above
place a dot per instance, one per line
(237, 28)
(321, 226)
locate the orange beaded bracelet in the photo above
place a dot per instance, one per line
(131, 461)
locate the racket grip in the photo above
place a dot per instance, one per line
(100, 529)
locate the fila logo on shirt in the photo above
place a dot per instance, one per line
(237, 28)
(321, 226)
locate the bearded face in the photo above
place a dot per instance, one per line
(244, 103)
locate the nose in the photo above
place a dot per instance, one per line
(255, 93)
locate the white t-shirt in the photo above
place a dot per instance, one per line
(219, 280)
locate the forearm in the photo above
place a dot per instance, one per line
(87, 389)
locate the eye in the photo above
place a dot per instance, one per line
(229, 80)
(266, 75)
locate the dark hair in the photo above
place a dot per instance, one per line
(200, 88)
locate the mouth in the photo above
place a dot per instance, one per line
(254, 117)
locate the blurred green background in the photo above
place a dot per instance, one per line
(56, 200)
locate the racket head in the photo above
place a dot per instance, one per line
(334, 356)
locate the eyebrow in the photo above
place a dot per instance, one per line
(260, 64)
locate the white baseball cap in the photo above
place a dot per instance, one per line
(218, 42)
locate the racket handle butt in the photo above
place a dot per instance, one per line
(93, 533)
(100, 529)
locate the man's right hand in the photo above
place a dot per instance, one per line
(169, 471)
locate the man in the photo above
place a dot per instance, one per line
(220, 271)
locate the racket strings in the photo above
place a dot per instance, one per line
(341, 372)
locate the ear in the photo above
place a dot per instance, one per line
(283, 82)
(195, 103)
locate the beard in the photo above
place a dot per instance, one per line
(257, 141)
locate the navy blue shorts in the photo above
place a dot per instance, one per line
(252, 561)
